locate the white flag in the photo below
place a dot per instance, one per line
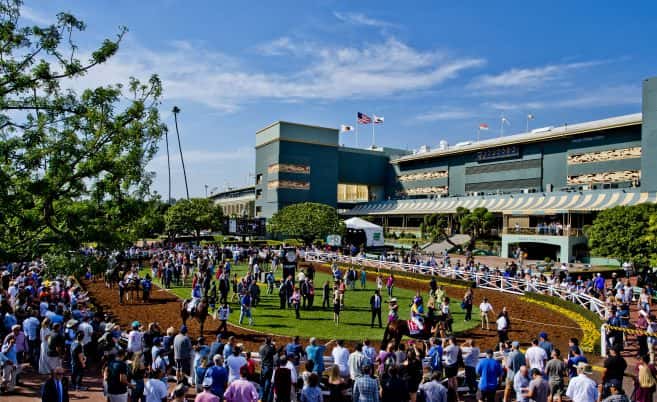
(505, 121)
(378, 119)
(530, 116)
(344, 128)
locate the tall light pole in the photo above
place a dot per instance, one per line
(176, 110)
(206, 191)
(166, 137)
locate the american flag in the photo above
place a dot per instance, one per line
(363, 118)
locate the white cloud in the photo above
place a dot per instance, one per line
(193, 73)
(609, 96)
(528, 78)
(361, 19)
(442, 115)
(36, 17)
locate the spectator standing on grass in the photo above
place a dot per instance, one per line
(485, 309)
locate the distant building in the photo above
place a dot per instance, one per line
(238, 202)
(544, 185)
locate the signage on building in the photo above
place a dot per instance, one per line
(509, 151)
(245, 226)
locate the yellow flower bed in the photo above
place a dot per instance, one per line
(590, 331)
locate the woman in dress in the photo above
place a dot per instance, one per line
(44, 334)
(336, 385)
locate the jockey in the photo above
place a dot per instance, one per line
(393, 315)
(196, 298)
(417, 312)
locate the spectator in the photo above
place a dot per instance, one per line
(155, 390)
(55, 389)
(282, 381)
(489, 371)
(206, 395)
(645, 382)
(520, 384)
(116, 376)
(616, 393)
(545, 344)
(536, 356)
(613, 369)
(556, 371)
(315, 353)
(538, 389)
(341, 358)
(241, 390)
(78, 362)
(356, 361)
(470, 354)
(235, 362)
(432, 391)
(311, 391)
(393, 388)
(366, 388)
(182, 353)
(581, 388)
(218, 374)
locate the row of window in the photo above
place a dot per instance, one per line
(604, 156)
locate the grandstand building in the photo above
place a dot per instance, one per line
(544, 186)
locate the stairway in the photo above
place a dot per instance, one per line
(439, 248)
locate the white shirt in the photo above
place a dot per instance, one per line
(536, 357)
(87, 330)
(582, 389)
(135, 341)
(234, 363)
(501, 323)
(155, 390)
(341, 358)
(485, 307)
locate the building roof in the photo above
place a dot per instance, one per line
(515, 204)
(532, 136)
(233, 192)
(295, 124)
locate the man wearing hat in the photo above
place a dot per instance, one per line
(581, 388)
(206, 395)
(544, 343)
(135, 338)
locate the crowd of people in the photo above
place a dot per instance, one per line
(48, 325)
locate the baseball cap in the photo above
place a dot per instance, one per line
(183, 329)
(614, 382)
(585, 367)
(543, 335)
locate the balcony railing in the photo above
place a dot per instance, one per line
(544, 231)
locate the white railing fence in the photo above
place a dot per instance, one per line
(484, 280)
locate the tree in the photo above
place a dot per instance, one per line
(477, 222)
(72, 165)
(620, 233)
(434, 227)
(651, 238)
(192, 216)
(307, 221)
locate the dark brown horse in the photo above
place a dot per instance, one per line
(397, 329)
(200, 312)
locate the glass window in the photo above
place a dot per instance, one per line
(352, 192)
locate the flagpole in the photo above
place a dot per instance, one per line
(356, 131)
(373, 139)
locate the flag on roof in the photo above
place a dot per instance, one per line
(378, 119)
(505, 121)
(363, 118)
(344, 128)
(483, 126)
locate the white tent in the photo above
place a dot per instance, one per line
(373, 233)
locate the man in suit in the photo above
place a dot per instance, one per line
(55, 389)
(375, 304)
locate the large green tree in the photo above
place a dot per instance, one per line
(72, 164)
(651, 237)
(477, 222)
(434, 227)
(193, 215)
(620, 232)
(307, 221)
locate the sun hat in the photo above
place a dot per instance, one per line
(585, 367)
(136, 324)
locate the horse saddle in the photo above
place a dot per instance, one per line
(413, 327)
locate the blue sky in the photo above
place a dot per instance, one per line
(434, 70)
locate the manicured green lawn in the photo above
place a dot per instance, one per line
(354, 319)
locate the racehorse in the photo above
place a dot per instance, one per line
(396, 329)
(132, 287)
(200, 312)
(111, 276)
